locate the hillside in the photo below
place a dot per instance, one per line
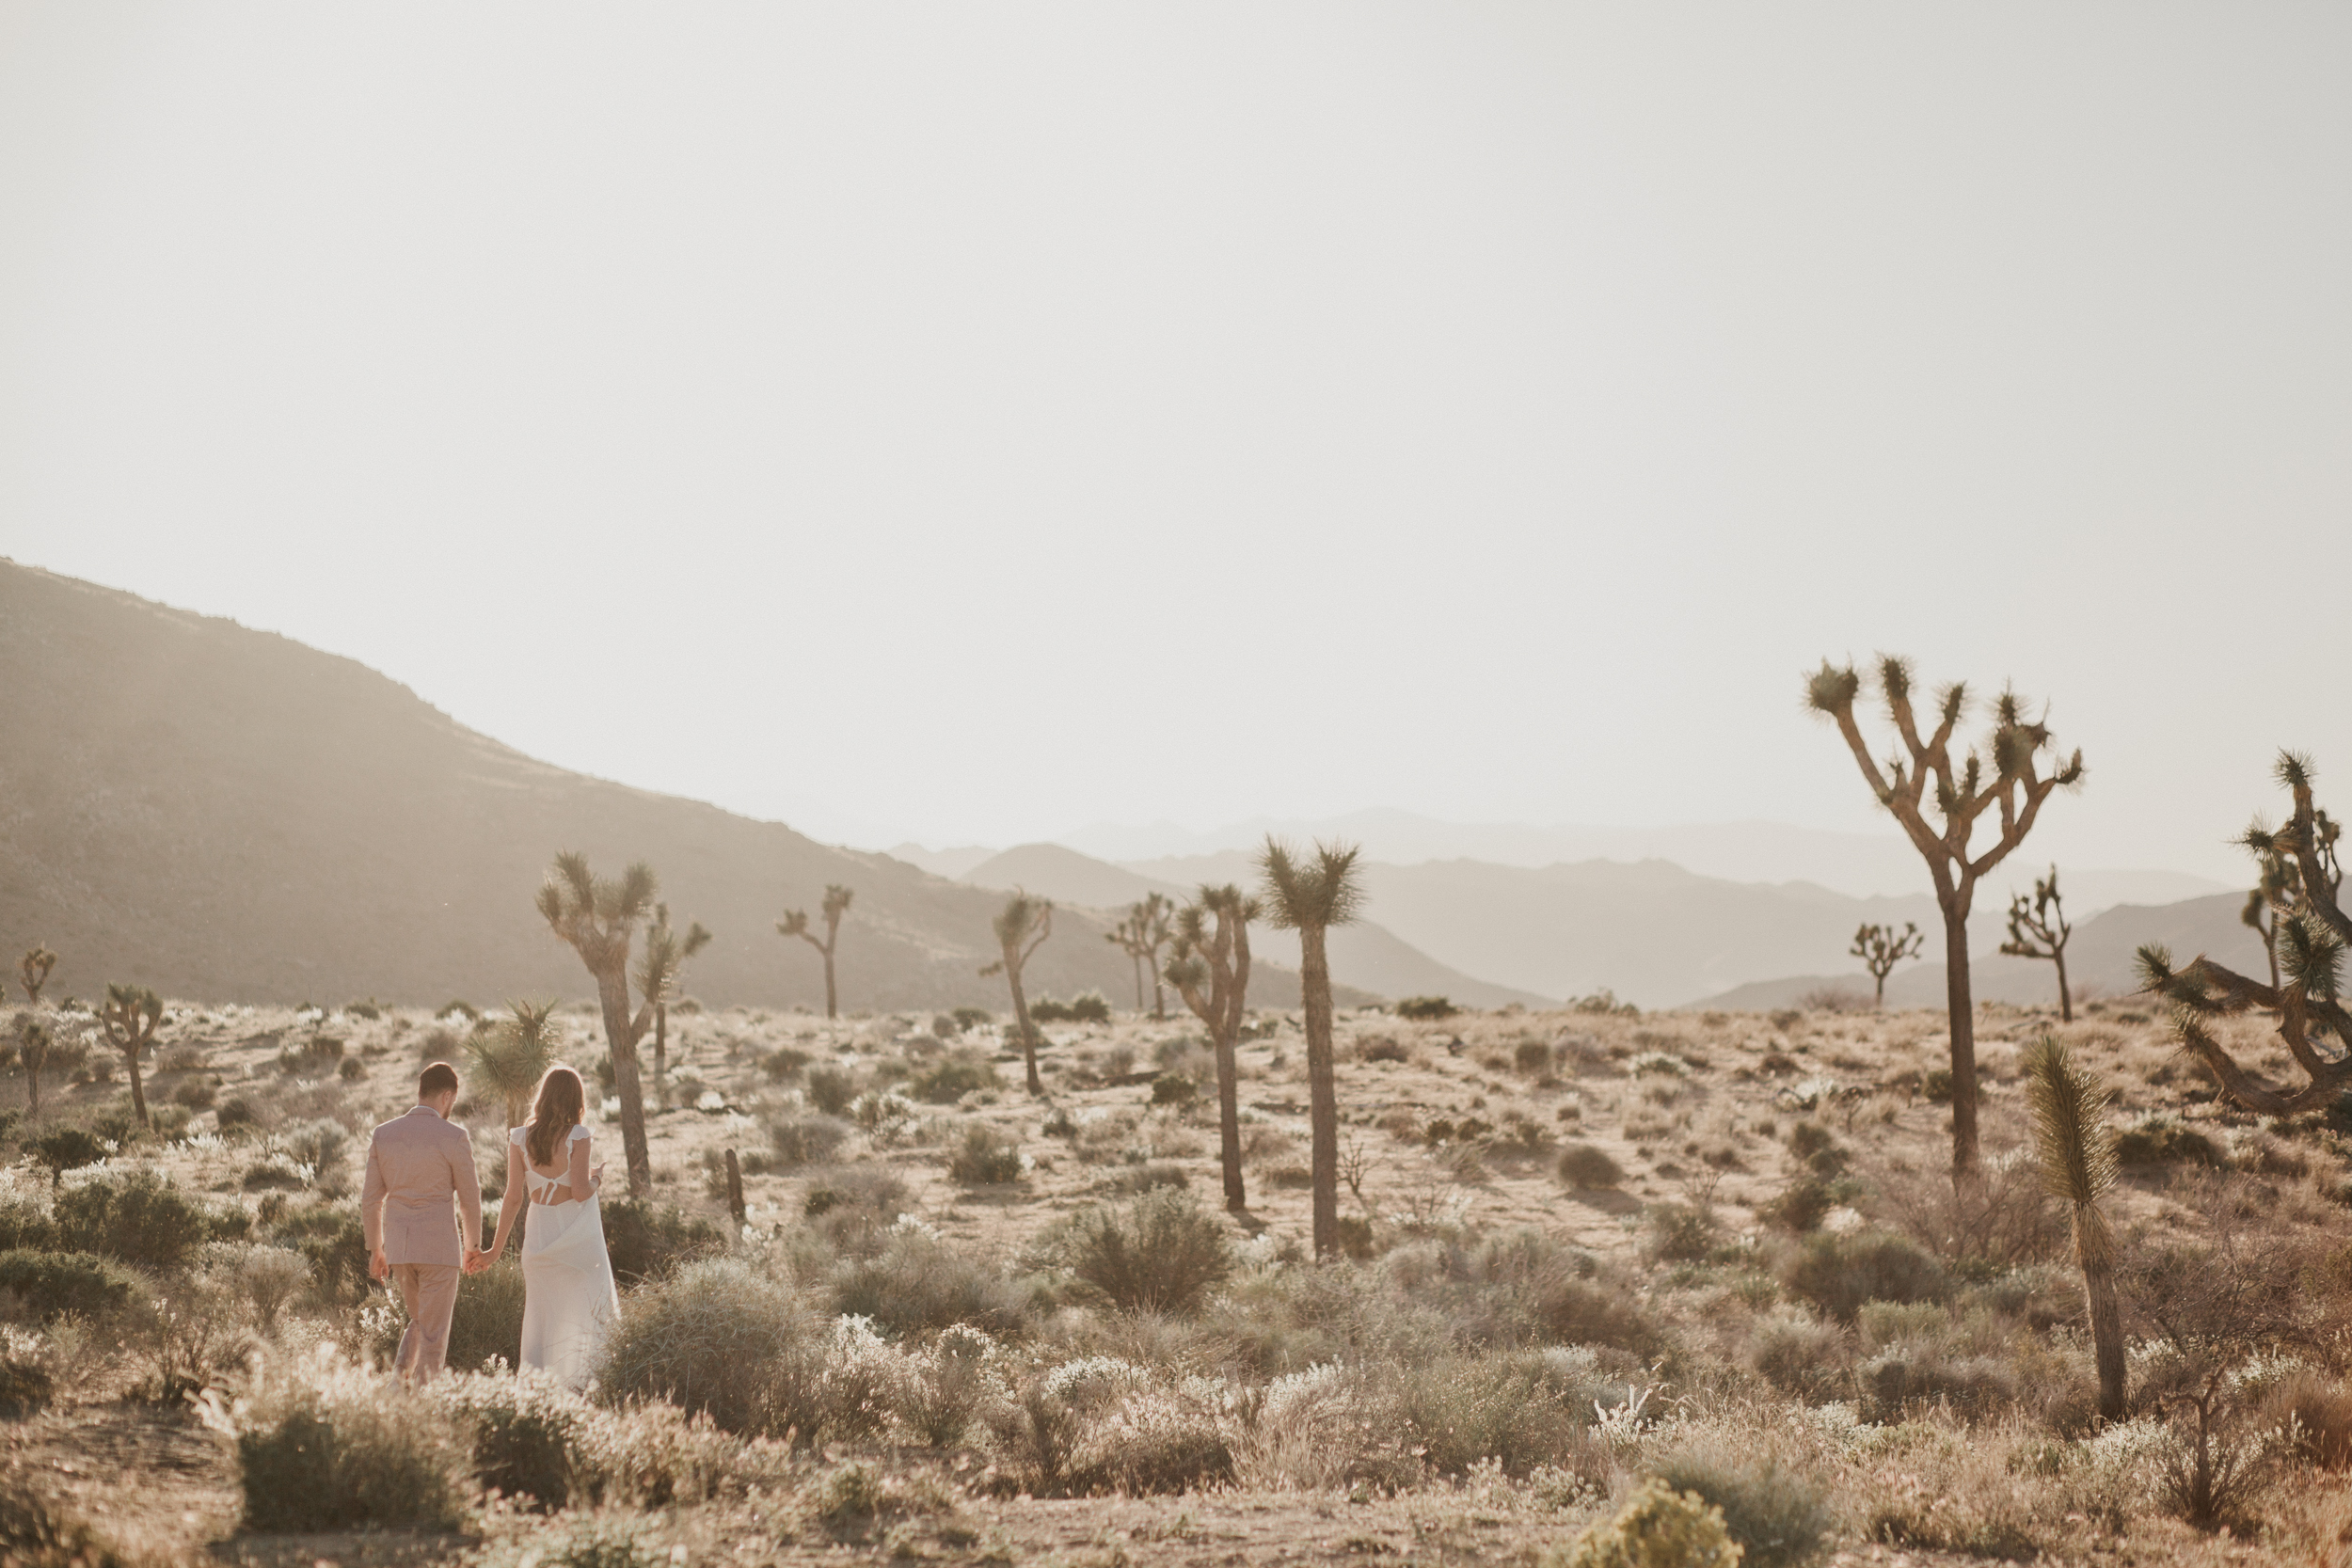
(223, 813)
(1367, 959)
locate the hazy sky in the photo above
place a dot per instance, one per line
(972, 422)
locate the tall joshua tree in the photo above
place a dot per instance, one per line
(32, 1050)
(666, 953)
(2311, 931)
(2005, 777)
(129, 1016)
(1020, 925)
(1141, 936)
(2078, 1155)
(1310, 894)
(1880, 948)
(1210, 969)
(511, 1056)
(795, 923)
(32, 971)
(599, 917)
(2037, 929)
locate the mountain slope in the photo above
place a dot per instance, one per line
(227, 814)
(1366, 958)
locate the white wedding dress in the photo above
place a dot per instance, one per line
(569, 1301)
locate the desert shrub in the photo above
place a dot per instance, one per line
(803, 1140)
(1780, 1517)
(1588, 1168)
(1382, 1049)
(332, 1240)
(48, 1285)
(1163, 1253)
(140, 1218)
(27, 1383)
(276, 1172)
(26, 1222)
(831, 1089)
(1800, 1206)
(1658, 1528)
(645, 1239)
(985, 1155)
(1086, 1007)
(1425, 1008)
(1837, 1273)
(1531, 1057)
(270, 1278)
(784, 1063)
(2320, 1408)
(1902, 1376)
(953, 1076)
(235, 1112)
(870, 1189)
(528, 1433)
(1174, 1088)
(191, 1332)
(352, 1069)
(1814, 1143)
(197, 1094)
(1799, 1354)
(1681, 1232)
(1518, 1408)
(716, 1337)
(489, 1322)
(2000, 1220)
(1524, 1287)
(968, 1019)
(330, 1448)
(917, 1283)
(1137, 1180)
(63, 1148)
(955, 1382)
(2161, 1138)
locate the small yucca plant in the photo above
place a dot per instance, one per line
(511, 1056)
(2078, 1165)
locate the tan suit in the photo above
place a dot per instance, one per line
(421, 1187)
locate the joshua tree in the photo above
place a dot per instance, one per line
(1210, 969)
(511, 1054)
(2077, 1150)
(1141, 936)
(32, 971)
(599, 917)
(2310, 930)
(32, 1049)
(1020, 925)
(795, 923)
(666, 952)
(1310, 895)
(129, 1016)
(2279, 886)
(1880, 948)
(1921, 777)
(2037, 929)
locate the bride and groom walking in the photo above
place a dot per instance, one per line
(422, 1193)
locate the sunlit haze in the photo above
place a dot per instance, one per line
(972, 424)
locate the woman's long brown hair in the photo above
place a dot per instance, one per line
(557, 1110)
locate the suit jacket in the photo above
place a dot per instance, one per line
(419, 1166)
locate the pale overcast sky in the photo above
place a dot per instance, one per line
(969, 421)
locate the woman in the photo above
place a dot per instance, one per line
(569, 1303)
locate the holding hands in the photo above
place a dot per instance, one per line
(478, 1259)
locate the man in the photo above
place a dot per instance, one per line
(416, 1165)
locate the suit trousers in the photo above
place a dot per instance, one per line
(430, 1293)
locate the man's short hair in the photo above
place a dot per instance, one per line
(438, 1078)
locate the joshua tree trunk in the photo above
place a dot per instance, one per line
(1961, 1007)
(2106, 1335)
(2078, 1164)
(1322, 1099)
(1028, 1034)
(2066, 997)
(621, 1035)
(1021, 925)
(832, 993)
(660, 1041)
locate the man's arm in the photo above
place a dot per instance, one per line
(371, 1196)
